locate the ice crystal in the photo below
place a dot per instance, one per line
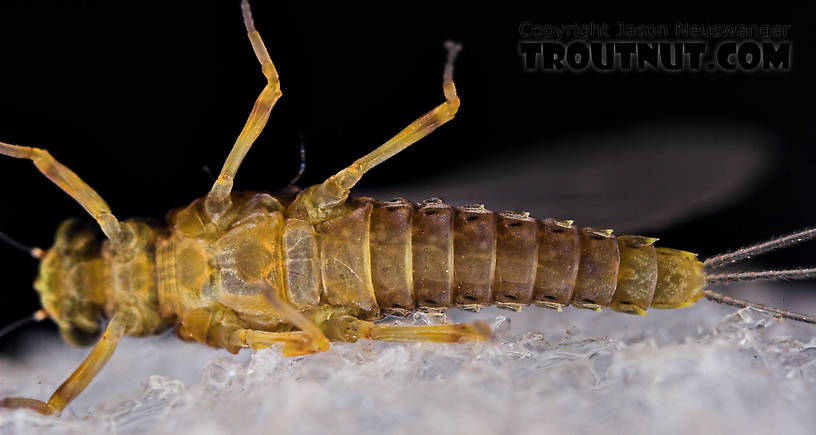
(709, 368)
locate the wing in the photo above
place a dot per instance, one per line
(638, 179)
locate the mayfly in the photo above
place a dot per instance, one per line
(308, 267)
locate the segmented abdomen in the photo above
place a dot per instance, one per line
(434, 256)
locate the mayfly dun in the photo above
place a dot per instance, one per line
(304, 268)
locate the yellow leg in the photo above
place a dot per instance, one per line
(351, 329)
(294, 343)
(70, 183)
(335, 190)
(221, 328)
(82, 376)
(317, 340)
(218, 199)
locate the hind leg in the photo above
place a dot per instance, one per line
(318, 202)
(221, 328)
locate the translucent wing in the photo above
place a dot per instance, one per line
(638, 179)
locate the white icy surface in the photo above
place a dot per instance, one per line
(709, 368)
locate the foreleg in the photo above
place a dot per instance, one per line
(68, 181)
(82, 376)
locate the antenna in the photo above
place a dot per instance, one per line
(34, 252)
(302, 161)
(36, 317)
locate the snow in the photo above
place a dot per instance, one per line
(709, 368)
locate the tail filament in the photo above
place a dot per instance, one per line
(767, 275)
(742, 303)
(782, 242)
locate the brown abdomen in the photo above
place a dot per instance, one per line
(433, 256)
(432, 239)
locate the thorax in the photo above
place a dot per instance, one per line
(231, 261)
(130, 272)
(257, 248)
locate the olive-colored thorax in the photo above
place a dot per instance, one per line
(158, 274)
(82, 280)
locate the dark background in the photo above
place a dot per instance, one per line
(137, 97)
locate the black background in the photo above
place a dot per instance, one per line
(137, 97)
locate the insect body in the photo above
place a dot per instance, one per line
(235, 270)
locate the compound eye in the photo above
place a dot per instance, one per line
(78, 337)
(75, 237)
(69, 228)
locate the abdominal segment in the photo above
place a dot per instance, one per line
(397, 257)
(431, 256)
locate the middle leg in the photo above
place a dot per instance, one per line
(221, 328)
(295, 343)
(218, 200)
(350, 329)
